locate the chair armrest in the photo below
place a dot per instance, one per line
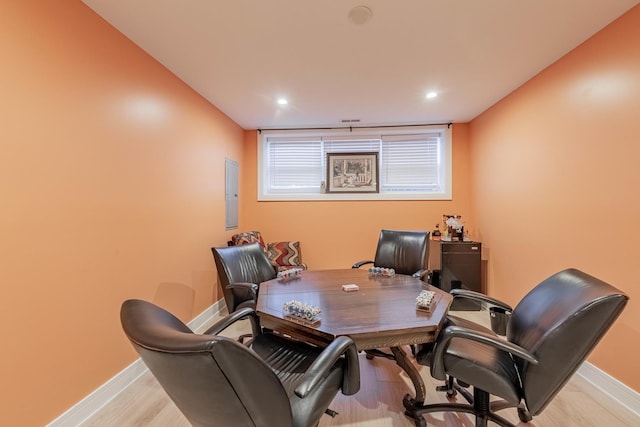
(465, 293)
(229, 320)
(325, 361)
(361, 263)
(450, 332)
(244, 291)
(421, 274)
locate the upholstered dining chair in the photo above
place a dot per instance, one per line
(214, 380)
(241, 269)
(404, 251)
(283, 255)
(550, 333)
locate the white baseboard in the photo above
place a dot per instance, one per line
(617, 391)
(88, 406)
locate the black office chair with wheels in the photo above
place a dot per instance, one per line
(404, 251)
(214, 380)
(550, 333)
(241, 269)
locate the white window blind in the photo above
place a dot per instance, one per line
(410, 163)
(294, 165)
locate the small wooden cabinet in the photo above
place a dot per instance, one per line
(460, 266)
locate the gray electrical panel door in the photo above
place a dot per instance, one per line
(231, 194)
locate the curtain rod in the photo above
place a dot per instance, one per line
(351, 128)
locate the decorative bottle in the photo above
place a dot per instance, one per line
(436, 235)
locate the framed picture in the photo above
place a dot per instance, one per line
(352, 173)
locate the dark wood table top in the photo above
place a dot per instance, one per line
(382, 313)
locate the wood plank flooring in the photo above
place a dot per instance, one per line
(378, 403)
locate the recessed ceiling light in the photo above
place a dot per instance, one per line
(431, 95)
(282, 101)
(360, 14)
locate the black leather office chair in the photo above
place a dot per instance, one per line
(551, 332)
(404, 251)
(241, 269)
(214, 380)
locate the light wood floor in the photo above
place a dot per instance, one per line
(377, 404)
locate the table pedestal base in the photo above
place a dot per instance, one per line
(410, 404)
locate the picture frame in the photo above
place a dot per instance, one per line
(352, 173)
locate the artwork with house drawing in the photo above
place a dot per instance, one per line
(352, 172)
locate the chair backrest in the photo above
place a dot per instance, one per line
(247, 237)
(560, 321)
(404, 251)
(244, 263)
(213, 380)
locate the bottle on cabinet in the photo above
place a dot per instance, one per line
(436, 234)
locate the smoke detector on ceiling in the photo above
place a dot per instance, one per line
(360, 14)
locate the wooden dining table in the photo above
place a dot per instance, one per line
(381, 314)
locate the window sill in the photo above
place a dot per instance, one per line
(353, 196)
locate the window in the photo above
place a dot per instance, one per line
(414, 163)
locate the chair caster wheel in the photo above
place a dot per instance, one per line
(420, 422)
(524, 415)
(451, 392)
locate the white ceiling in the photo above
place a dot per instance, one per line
(242, 55)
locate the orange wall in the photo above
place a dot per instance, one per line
(556, 179)
(105, 199)
(111, 187)
(335, 234)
